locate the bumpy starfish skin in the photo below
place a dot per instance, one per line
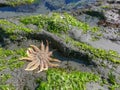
(39, 58)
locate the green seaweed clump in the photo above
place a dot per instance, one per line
(54, 23)
(57, 23)
(112, 80)
(61, 80)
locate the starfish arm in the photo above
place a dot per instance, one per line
(53, 65)
(46, 67)
(47, 47)
(35, 48)
(30, 65)
(39, 70)
(30, 52)
(50, 53)
(42, 47)
(45, 64)
(54, 60)
(41, 66)
(35, 66)
(26, 58)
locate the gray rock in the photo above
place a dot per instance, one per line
(3, 2)
(112, 34)
(79, 35)
(112, 17)
(95, 86)
(105, 44)
(111, 1)
(54, 5)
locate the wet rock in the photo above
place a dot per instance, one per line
(3, 3)
(54, 5)
(95, 13)
(112, 34)
(23, 80)
(92, 21)
(111, 1)
(95, 86)
(112, 17)
(118, 1)
(27, 8)
(70, 1)
(80, 36)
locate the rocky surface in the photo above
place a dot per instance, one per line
(72, 57)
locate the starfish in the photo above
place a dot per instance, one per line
(39, 58)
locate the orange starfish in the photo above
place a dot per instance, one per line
(40, 58)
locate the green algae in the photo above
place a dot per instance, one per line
(11, 30)
(94, 53)
(59, 79)
(48, 23)
(19, 2)
(9, 58)
(10, 27)
(112, 80)
(7, 87)
(57, 23)
(3, 85)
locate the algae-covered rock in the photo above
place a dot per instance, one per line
(15, 2)
(73, 39)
